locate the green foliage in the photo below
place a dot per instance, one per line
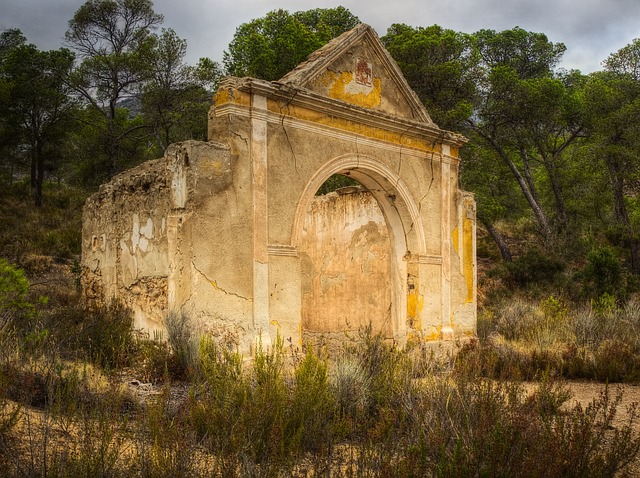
(309, 420)
(532, 267)
(334, 182)
(183, 342)
(52, 231)
(271, 46)
(95, 158)
(101, 334)
(603, 273)
(439, 65)
(177, 97)
(34, 110)
(530, 55)
(626, 61)
(524, 339)
(106, 334)
(263, 421)
(114, 41)
(14, 287)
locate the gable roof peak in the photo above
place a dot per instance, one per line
(318, 62)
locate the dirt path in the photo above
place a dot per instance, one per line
(584, 393)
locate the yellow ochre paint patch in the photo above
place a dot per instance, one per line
(231, 96)
(339, 90)
(211, 168)
(435, 333)
(421, 336)
(454, 238)
(405, 140)
(415, 302)
(467, 260)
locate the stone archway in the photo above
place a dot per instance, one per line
(400, 211)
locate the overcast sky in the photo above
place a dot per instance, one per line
(590, 29)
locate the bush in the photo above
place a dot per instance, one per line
(603, 274)
(350, 385)
(14, 287)
(533, 267)
(104, 334)
(311, 412)
(183, 342)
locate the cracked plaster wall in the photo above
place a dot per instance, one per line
(156, 237)
(124, 243)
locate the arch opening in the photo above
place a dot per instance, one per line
(345, 264)
(374, 226)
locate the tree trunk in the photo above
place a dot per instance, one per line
(622, 215)
(39, 175)
(541, 217)
(528, 176)
(557, 194)
(33, 167)
(498, 239)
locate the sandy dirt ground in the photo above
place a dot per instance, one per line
(584, 392)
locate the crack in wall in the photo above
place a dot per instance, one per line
(286, 133)
(215, 284)
(243, 138)
(406, 131)
(440, 139)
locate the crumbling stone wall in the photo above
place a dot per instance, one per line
(125, 242)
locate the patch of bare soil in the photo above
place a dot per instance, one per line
(585, 392)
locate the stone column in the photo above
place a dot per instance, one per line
(260, 218)
(446, 198)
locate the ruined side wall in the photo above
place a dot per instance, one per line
(345, 266)
(171, 235)
(124, 243)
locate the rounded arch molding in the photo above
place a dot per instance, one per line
(393, 195)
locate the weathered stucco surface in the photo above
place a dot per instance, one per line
(220, 230)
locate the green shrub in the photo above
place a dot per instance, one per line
(105, 334)
(311, 412)
(217, 403)
(472, 427)
(603, 273)
(532, 267)
(153, 361)
(183, 342)
(350, 385)
(14, 287)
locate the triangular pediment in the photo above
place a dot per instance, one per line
(356, 68)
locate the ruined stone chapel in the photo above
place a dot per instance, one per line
(232, 233)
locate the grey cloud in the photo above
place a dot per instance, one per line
(591, 29)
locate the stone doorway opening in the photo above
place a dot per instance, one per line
(345, 254)
(378, 226)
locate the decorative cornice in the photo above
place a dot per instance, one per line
(292, 96)
(332, 132)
